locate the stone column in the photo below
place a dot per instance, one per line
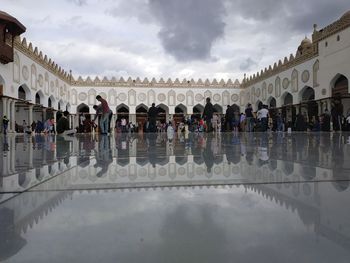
(319, 105)
(4, 110)
(30, 115)
(54, 120)
(13, 115)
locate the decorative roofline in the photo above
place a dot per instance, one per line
(280, 67)
(317, 36)
(337, 26)
(121, 82)
(41, 59)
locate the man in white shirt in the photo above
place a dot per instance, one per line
(263, 116)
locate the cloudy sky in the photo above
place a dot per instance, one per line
(168, 38)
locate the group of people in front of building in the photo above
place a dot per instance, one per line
(209, 121)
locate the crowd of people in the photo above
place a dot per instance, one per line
(209, 121)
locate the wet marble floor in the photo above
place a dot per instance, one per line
(196, 198)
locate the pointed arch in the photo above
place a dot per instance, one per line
(151, 97)
(163, 107)
(60, 105)
(16, 68)
(112, 94)
(189, 98)
(141, 108)
(278, 87)
(171, 98)
(47, 84)
(33, 77)
(295, 81)
(83, 108)
(287, 99)
(198, 109)
(51, 102)
(340, 85)
(258, 105)
(68, 107)
(235, 108)
(225, 98)
(306, 94)
(24, 93)
(122, 108)
(218, 109)
(180, 108)
(39, 97)
(271, 102)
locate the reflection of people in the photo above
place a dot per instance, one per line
(5, 123)
(103, 156)
(326, 121)
(105, 115)
(152, 115)
(208, 154)
(63, 125)
(208, 114)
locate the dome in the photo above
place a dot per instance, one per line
(346, 15)
(306, 42)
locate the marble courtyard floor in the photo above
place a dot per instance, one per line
(200, 198)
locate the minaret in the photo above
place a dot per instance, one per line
(10, 27)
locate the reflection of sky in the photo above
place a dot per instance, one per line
(160, 216)
(211, 225)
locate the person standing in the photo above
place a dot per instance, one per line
(249, 117)
(152, 116)
(105, 115)
(5, 123)
(279, 122)
(263, 116)
(229, 118)
(208, 114)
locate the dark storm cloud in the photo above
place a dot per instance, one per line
(298, 15)
(189, 27)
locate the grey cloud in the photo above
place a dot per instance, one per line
(247, 64)
(298, 15)
(189, 28)
(78, 2)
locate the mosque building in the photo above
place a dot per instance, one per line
(33, 87)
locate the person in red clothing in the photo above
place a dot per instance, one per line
(105, 115)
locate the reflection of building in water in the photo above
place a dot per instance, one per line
(23, 212)
(312, 203)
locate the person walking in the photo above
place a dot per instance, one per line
(152, 116)
(105, 115)
(5, 123)
(249, 117)
(208, 114)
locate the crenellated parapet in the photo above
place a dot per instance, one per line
(41, 59)
(161, 83)
(280, 66)
(337, 26)
(306, 51)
